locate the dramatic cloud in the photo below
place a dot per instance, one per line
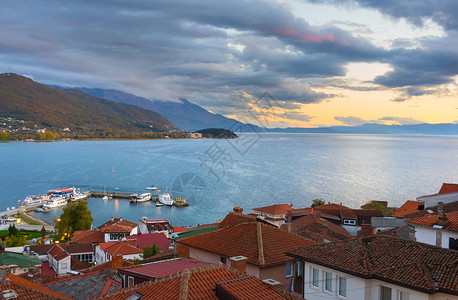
(213, 52)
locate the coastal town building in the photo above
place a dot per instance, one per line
(409, 207)
(258, 246)
(274, 214)
(377, 267)
(15, 287)
(146, 272)
(212, 282)
(448, 193)
(148, 239)
(439, 229)
(59, 259)
(106, 251)
(317, 229)
(155, 226)
(86, 286)
(351, 219)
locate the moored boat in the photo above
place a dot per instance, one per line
(55, 202)
(152, 188)
(136, 198)
(35, 199)
(165, 199)
(78, 196)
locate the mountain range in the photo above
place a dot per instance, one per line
(22, 98)
(108, 109)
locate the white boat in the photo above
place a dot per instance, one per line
(66, 193)
(35, 199)
(78, 196)
(55, 202)
(135, 198)
(151, 188)
(105, 197)
(159, 204)
(166, 199)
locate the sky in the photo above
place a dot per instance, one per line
(295, 63)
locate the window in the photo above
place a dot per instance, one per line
(404, 296)
(130, 281)
(289, 269)
(299, 269)
(349, 222)
(315, 277)
(453, 244)
(385, 293)
(328, 281)
(223, 260)
(342, 286)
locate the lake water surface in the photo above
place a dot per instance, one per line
(216, 175)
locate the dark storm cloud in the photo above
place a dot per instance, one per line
(206, 51)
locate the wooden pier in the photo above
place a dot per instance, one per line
(99, 194)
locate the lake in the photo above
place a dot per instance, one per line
(216, 175)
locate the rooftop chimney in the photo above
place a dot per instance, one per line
(239, 263)
(112, 219)
(238, 210)
(290, 216)
(443, 220)
(116, 262)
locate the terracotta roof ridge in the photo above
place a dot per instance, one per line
(184, 285)
(365, 257)
(16, 281)
(260, 245)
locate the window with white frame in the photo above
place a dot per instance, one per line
(315, 277)
(342, 286)
(130, 281)
(328, 281)
(349, 222)
(385, 293)
(289, 269)
(403, 296)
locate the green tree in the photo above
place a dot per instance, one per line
(49, 135)
(12, 230)
(15, 241)
(317, 202)
(76, 216)
(149, 251)
(4, 136)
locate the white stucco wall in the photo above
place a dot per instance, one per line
(359, 288)
(434, 200)
(428, 236)
(63, 266)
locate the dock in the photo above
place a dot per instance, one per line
(100, 194)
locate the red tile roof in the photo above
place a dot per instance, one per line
(46, 269)
(315, 228)
(336, 210)
(26, 289)
(446, 188)
(164, 267)
(148, 239)
(408, 208)
(263, 245)
(431, 220)
(58, 252)
(192, 284)
(247, 288)
(118, 221)
(410, 264)
(117, 229)
(448, 208)
(41, 249)
(90, 236)
(179, 229)
(233, 218)
(276, 209)
(79, 248)
(119, 247)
